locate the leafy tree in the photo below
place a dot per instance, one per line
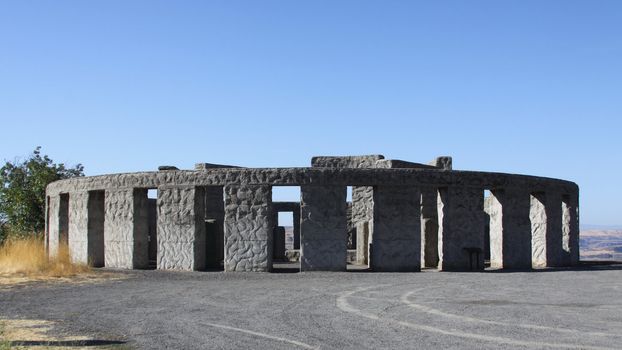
(22, 194)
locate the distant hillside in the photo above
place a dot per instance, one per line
(601, 244)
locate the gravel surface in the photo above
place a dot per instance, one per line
(580, 309)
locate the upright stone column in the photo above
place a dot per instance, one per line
(126, 229)
(53, 230)
(570, 229)
(429, 228)
(248, 228)
(181, 228)
(323, 232)
(396, 243)
(510, 229)
(296, 217)
(78, 227)
(461, 228)
(96, 210)
(546, 228)
(278, 249)
(362, 243)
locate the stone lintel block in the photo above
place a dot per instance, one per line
(248, 228)
(323, 231)
(461, 228)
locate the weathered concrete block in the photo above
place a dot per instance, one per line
(362, 243)
(96, 213)
(461, 228)
(570, 229)
(365, 161)
(296, 218)
(53, 232)
(546, 229)
(181, 228)
(126, 229)
(429, 227)
(78, 227)
(396, 241)
(323, 235)
(510, 229)
(248, 228)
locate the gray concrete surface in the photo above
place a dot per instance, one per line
(550, 309)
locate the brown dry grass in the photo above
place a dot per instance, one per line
(27, 257)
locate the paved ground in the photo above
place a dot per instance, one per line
(580, 309)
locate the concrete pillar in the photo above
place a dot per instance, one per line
(296, 217)
(215, 217)
(396, 242)
(248, 228)
(279, 243)
(429, 228)
(181, 228)
(510, 229)
(362, 243)
(126, 229)
(323, 235)
(63, 219)
(461, 228)
(546, 229)
(78, 226)
(570, 229)
(53, 230)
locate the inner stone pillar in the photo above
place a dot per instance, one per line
(323, 232)
(126, 229)
(214, 223)
(296, 217)
(396, 243)
(181, 228)
(279, 243)
(429, 228)
(570, 229)
(248, 228)
(546, 229)
(461, 228)
(362, 243)
(78, 226)
(510, 229)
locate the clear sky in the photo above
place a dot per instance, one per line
(531, 87)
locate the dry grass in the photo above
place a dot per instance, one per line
(27, 257)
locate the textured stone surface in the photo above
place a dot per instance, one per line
(444, 163)
(510, 229)
(362, 243)
(181, 228)
(570, 230)
(126, 229)
(400, 164)
(396, 242)
(248, 228)
(429, 228)
(538, 218)
(53, 232)
(366, 161)
(546, 227)
(78, 226)
(323, 234)
(461, 227)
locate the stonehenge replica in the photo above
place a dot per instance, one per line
(402, 216)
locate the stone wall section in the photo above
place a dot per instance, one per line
(126, 229)
(429, 227)
(396, 242)
(323, 234)
(248, 228)
(461, 228)
(510, 229)
(181, 228)
(53, 225)
(96, 209)
(78, 227)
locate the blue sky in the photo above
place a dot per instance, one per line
(531, 87)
